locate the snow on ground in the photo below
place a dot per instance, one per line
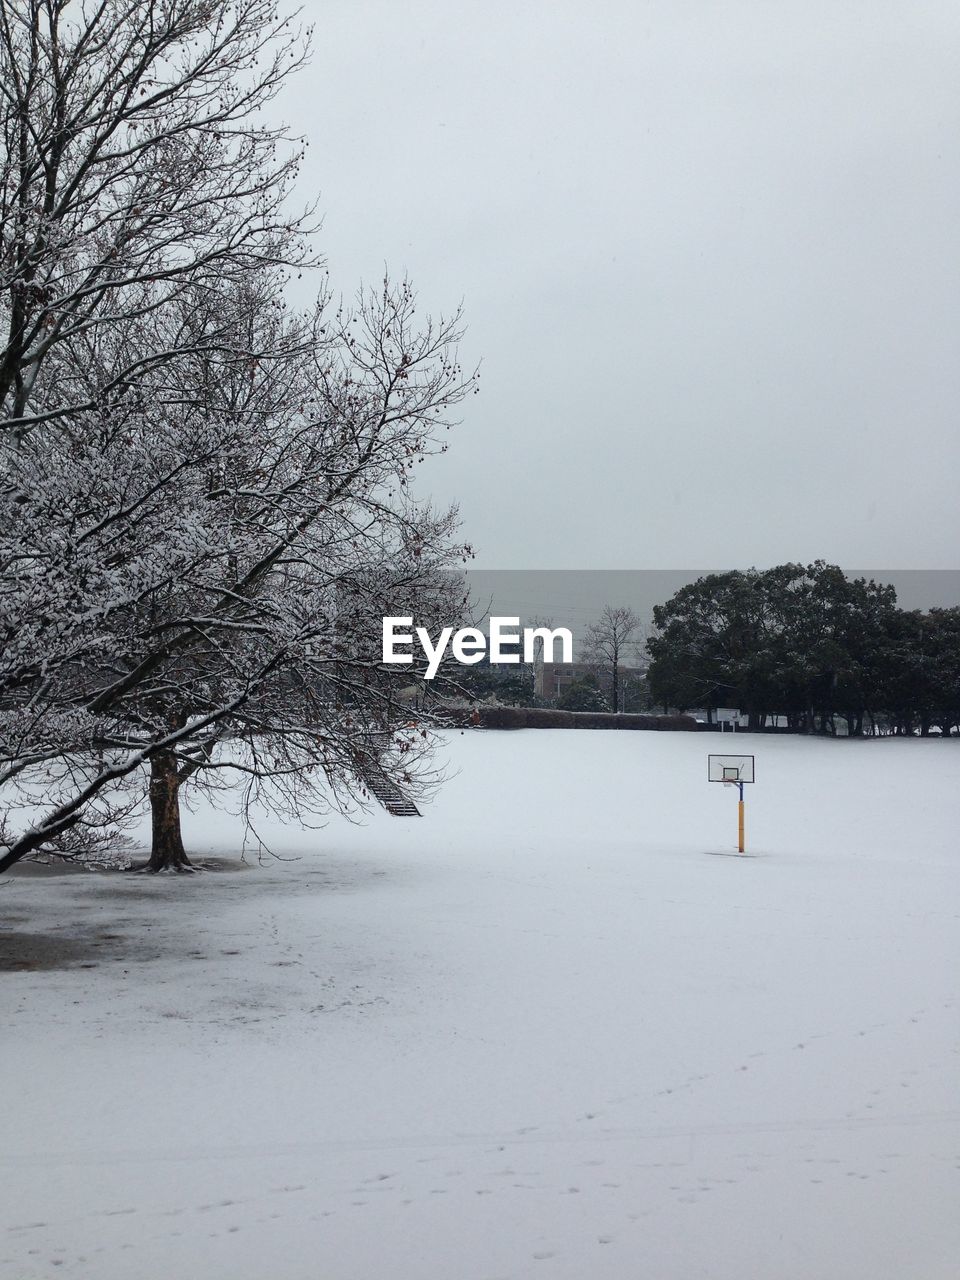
(546, 1030)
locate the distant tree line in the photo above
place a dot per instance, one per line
(606, 676)
(809, 646)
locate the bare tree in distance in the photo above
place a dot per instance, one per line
(608, 642)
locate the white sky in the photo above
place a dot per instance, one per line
(708, 255)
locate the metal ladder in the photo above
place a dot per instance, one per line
(389, 794)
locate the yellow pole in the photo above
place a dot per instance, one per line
(740, 824)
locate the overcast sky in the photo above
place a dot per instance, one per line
(708, 254)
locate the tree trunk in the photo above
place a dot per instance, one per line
(167, 852)
(615, 696)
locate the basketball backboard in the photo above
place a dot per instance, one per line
(730, 768)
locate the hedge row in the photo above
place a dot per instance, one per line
(549, 718)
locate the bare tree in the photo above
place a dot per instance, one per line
(136, 176)
(608, 642)
(189, 473)
(222, 530)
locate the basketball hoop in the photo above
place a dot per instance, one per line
(732, 771)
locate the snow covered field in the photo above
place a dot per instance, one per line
(543, 1031)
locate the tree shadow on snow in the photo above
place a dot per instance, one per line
(73, 947)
